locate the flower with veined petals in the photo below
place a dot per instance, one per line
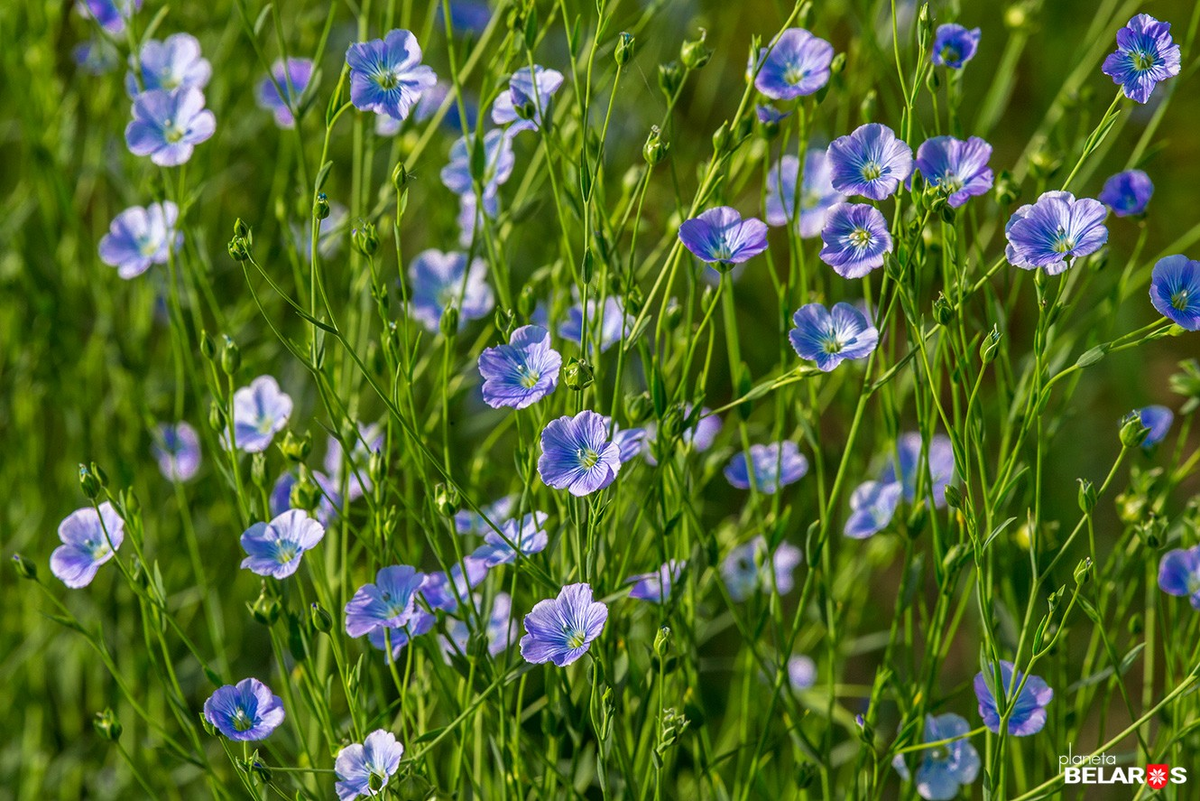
(275, 548)
(1146, 55)
(870, 162)
(246, 712)
(521, 372)
(796, 65)
(560, 630)
(828, 337)
(1175, 291)
(364, 769)
(958, 168)
(89, 539)
(1055, 231)
(856, 239)
(386, 75)
(1028, 714)
(139, 237)
(260, 411)
(389, 602)
(721, 236)
(577, 454)
(954, 45)
(167, 126)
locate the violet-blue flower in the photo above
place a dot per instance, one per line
(1158, 419)
(1145, 55)
(609, 318)
(527, 101)
(721, 236)
(526, 535)
(768, 114)
(870, 162)
(439, 279)
(1028, 714)
(656, 586)
(699, 437)
(389, 602)
(872, 505)
(1175, 291)
(469, 522)
(945, 768)
(1055, 231)
(958, 168)
(577, 454)
(775, 465)
(1127, 193)
(829, 337)
(353, 470)
(498, 161)
(856, 239)
(167, 126)
(139, 237)
(817, 194)
(1179, 574)
(247, 711)
(560, 630)
(89, 539)
(796, 64)
(364, 769)
(954, 45)
(802, 672)
(111, 15)
(386, 75)
(175, 63)
(259, 412)
(280, 91)
(749, 567)
(941, 466)
(276, 548)
(442, 591)
(522, 372)
(177, 451)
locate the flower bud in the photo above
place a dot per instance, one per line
(637, 405)
(322, 621)
(208, 348)
(25, 568)
(216, 417)
(1133, 433)
(400, 176)
(662, 641)
(624, 51)
(695, 54)
(365, 238)
(1083, 571)
(89, 482)
(448, 324)
(265, 608)
(1006, 189)
(305, 494)
(258, 470)
(296, 449)
(231, 356)
(239, 250)
(526, 302)
(377, 467)
(321, 207)
(447, 500)
(991, 343)
(577, 374)
(954, 497)
(866, 109)
(943, 312)
(670, 77)
(107, 725)
(1087, 496)
(655, 149)
(722, 138)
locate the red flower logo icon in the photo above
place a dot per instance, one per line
(1158, 776)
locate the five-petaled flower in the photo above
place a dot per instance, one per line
(527, 101)
(796, 64)
(1127, 193)
(439, 280)
(721, 236)
(1055, 231)
(172, 64)
(750, 567)
(958, 168)
(177, 451)
(1145, 55)
(1175, 291)
(872, 505)
(578, 454)
(260, 411)
(167, 126)
(944, 768)
(522, 372)
(139, 237)
(275, 548)
(247, 711)
(498, 161)
(856, 239)
(281, 90)
(1026, 713)
(954, 45)
(386, 75)
(829, 336)
(390, 602)
(90, 539)
(363, 769)
(870, 162)
(816, 193)
(560, 630)
(773, 466)
(1179, 574)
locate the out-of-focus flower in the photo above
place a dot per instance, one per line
(1158, 419)
(500, 630)
(943, 769)
(527, 101)
(526, 535)
(749, 567)
(420, 623)
(700, 436)
(259, 412)
(287, 82)
(442, 591)
(817, 194)
(872, 505)
(954, 45)
(941, 466)
(1028, 714)
(139, 237)
(615, 323)
(175, 63)
(775, 465)
(111, 15)
(1179, 574)
(1127, 193)
(802, 672)
(177, 451)
(440, 279)
(656, 586)
(498, 161)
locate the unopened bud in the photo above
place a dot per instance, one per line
(1083, 571)
(25, 568)
(231, 356)
(365, 238)
(1133, 432)
(624, 51)
(107, 725)
(655, 149)
(448, 324)
(265, 608)
(89, 483)
(447, 500)
(322, 621)
(670, 77)
(1087, 496)
(695, 54)
(991, 344)
(577, 374)
(216, 417)
(321, 207)
(943, 312)
(296, 449)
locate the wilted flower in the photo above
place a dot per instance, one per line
(856, 239)
(167, 126)
(89, 540)
(390, 602)
(1145, 55)
(945, 768)
(561, 629)
(526, 535)
(440, 279)
(1175, 291)
(775, 465)
(830, 336)
(528, 93)
(817, 194)
(954, 45)
(749, 567)
(275, 548)
(656, 586)
(577, 454)
(941, 466)
(1054, 229)
(522, 372)
(1028, 714)
(958, 168)
(169, 65)
(139, 237)
(872, 505)
(364, 770)
(1179, 574)
(721, 236)
(797, 64)
(246, 712)
(259, 412)
(287, 82)
(177, 451)
(386, 75)
(870, 162)
(1127, 193)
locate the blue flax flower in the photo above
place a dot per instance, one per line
(1179, 574)
(958, 168)
(578, 455)
(769, 114)
(872, 505)
(721, 236)
(561, 629)
(279, 92)
(139, 237)
(469, 522)
(699, 437)
(527, 101)
(629, 441)
(870, 162)
(386, 75)
(275, 548)
(856, 239)
(748, 568)
(1127, 193)
(500, 631)
(167, 126)
(1055, 231)
(89, 539)
(830, 336)
(1175, 291)
(775, 465)
(467, 16)
(802, 672)
(1158, 419)
(111, 15)
(420, 623)
(526, 535)
(817, 194)
(364, 769)
(177, 451)
(246, 712)
(1145, 55)
(954, 45)
(498, 161)
(941, 466)
(259, 412)
(945, 768)
(522, 372)
(656, 586)
(442, 591)
(440, 279)
(1028, 710)
(608, 318)
(390, 602)
(172, 64)
(797, 64)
